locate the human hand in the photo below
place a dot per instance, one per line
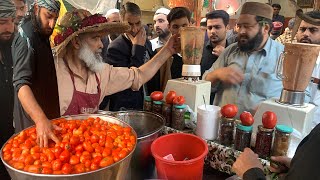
(282, 163)
(247, 160)
(44, 132)
(140, 38)
(229, 75)
(174, 44)
(218, 50)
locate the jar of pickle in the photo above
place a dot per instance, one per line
(226, 131)
(167, 113)
(157, 107)
(281, 142)
(147, 104)
(178, 112)
(242, 137)
(263, 142)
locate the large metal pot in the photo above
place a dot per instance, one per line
(116, 171)
(148, 127)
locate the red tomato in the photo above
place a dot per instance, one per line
(94, 166)
(269, 119)
(170, 96)
(246, 118)
(66, 168)
(88, 147)
(65, 156)
(56, 165)
(57, 151)
(34, 169)
(74, 140)
(74, 160)
(46, 170)
(179, 100)
(79, 148)
(79, 168)
(229, 110)
(106, 161)
(156, 96)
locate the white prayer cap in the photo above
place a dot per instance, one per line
(162, 10)
(111, 11)
(203, 20)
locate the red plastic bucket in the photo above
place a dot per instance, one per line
(181, 146)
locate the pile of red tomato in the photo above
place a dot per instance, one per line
(86, 145)
(171, 97)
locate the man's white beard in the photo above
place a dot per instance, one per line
(92, 60)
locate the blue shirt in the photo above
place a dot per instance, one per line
(260, 82)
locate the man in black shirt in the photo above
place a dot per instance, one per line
(127, 50)
(34, 75)
(177, 18)
(276, 15)
(7, 16)
(217, 27)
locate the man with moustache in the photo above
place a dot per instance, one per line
(304, 164)
(217, 27)
(161, 28)
(83, 78)
(309, 33)
(34, 75)
(21, 10)
(131, 49)
(7, 16)
(112, 15)
(244, 74)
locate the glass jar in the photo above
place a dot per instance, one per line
(147, 104)
(281, 142)
(157, 107)
(264, 142)
(167, 113)
(243, 137)
(226, 131)
(178, 112)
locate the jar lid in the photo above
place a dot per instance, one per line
(180, 106)
(244, 128)
(147, 98)
(284, 128)
(157, 102)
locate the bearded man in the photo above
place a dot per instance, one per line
(244, 74)
(34, 75)
(83, 79)
(7, 16)
(161, 26)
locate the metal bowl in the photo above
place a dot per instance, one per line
(148, 126)
(117, 171)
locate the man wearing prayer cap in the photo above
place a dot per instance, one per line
(244, 74)
(113, 15)
(7, 16)
(34, 75)
(161, 27)
(304, 164)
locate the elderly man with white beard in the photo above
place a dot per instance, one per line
(83, 79)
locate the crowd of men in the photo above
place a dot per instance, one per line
(115, 65)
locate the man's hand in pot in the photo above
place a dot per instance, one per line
(45, 132)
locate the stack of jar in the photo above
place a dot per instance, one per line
(264, 138)
(173, 109)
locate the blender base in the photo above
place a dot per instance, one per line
(193, 92)
(293, 98)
